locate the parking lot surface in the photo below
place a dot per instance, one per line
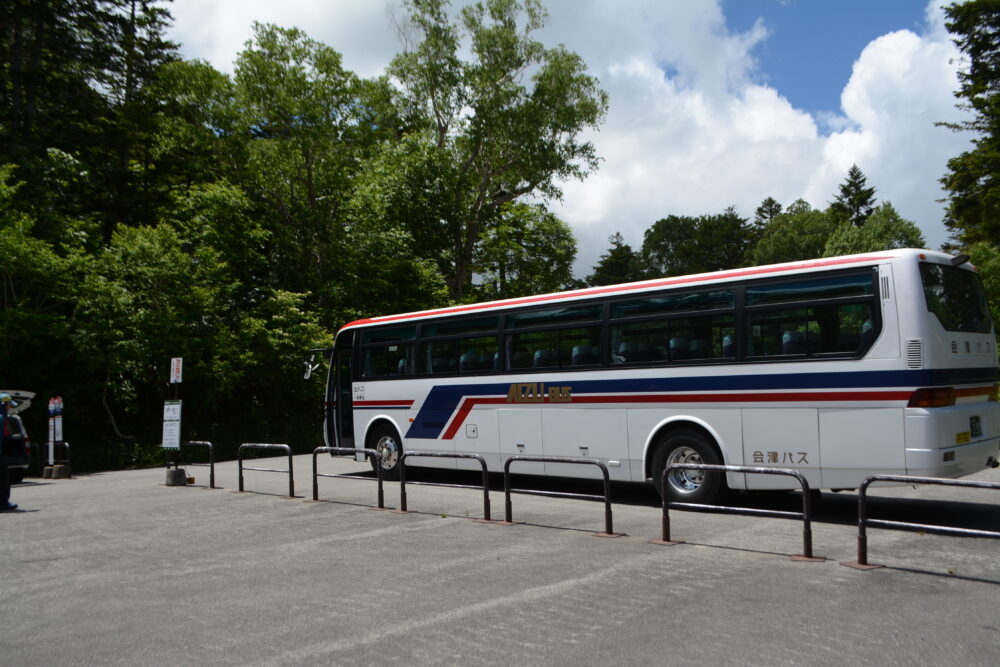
(116, 568)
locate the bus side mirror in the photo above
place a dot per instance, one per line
(310, 366)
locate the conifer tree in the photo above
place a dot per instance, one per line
(856, 201)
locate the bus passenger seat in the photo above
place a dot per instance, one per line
(867, 334)
(582, 355)
(678, 348)
(728, 346)
(699, 349)
(792, 343)
(543, 358)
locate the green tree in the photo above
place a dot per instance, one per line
(679, 245)
(768, 210)
(620, 264)
(799, 233)
(973, 178)
(986, 257)
(527, 251)
(495, 137)
(855, 200)
(885, 230)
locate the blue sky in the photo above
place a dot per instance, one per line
(812, 44)
(713, 103)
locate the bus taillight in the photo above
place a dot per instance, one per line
(932, 397)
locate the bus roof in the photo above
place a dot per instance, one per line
(656, 283)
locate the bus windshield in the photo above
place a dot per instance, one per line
(956, 297)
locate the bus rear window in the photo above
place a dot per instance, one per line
(956, 297)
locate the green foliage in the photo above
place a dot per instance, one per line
(884, 230)
(973, 178)
(986, 258)
(495, 139)
(620, 264)
(679, 245)
(798, 233)
(855, 201)
(152, 208)
(527, 251)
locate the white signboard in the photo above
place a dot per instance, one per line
(171, 411)
(172, 424)
(176, 370)
(57, 428)
(171, 435)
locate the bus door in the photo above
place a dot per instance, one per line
(343, 394)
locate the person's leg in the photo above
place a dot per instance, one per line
(5, 486)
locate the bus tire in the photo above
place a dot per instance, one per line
(686, 445)
(386, 441)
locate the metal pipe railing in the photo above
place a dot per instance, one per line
(369, 453)
(211, 459)
(444, 455)
(805, 514)
(263, 445)
(863, 520)
(608, 524)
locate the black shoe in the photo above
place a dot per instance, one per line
(10, 507)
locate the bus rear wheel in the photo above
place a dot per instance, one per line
(384, 439)
(688, 486)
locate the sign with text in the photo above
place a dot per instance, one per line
(176, 370)
(171, 424)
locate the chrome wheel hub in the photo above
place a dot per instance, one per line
(685, 481)
(388, 451)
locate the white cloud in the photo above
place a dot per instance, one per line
(689, 130)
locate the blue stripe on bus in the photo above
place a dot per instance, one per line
(442, 400)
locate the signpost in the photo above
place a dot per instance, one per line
(172, 425)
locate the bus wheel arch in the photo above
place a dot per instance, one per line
(685, 441)
(383, 436)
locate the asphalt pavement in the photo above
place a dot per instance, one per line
(118, 569)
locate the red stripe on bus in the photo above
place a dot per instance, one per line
(825, 396)
(384, 404)
(597, 291)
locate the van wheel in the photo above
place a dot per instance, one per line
(384, 439)
(687, 486)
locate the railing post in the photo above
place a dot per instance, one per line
(807, 545)
(291, 475)
(377, 460)
(315, 478)
(211, 459)
(508, 508)
(402, 482)
(239, 459)
(486, 490)
(862, 562)
(863, 523)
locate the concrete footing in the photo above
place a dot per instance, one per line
(176, 477)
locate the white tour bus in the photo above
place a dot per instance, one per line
(839, 368)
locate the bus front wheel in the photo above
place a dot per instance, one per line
(686, 485)
(384, 439)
